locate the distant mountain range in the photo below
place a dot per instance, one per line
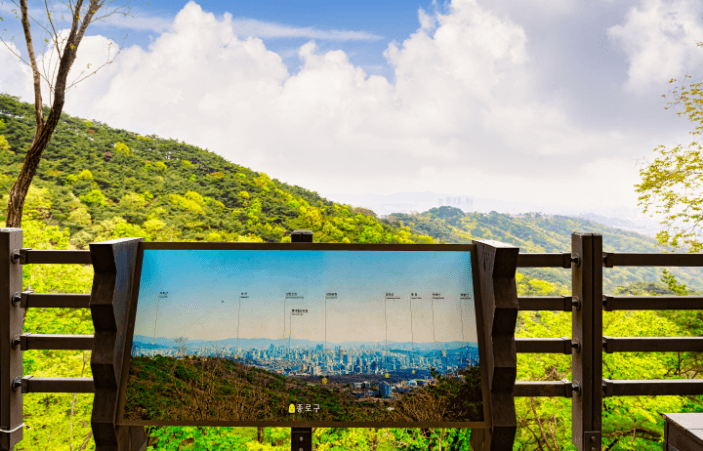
(407, 202)
(538, 233)
(265, 343)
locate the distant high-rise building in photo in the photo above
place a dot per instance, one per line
(386, 389)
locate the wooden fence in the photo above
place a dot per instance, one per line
(586, 345)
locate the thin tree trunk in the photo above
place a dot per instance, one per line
(45, 130)
(18, 193)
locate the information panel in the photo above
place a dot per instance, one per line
(304, 335)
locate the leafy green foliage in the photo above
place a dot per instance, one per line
(670, 184)
(535, 233)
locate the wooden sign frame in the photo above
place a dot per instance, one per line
(481, 316)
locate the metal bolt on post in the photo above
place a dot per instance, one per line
(11, 324)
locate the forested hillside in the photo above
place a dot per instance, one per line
(96, 183)
(535, 233)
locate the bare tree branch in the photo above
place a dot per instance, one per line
(38, 111)
(82, 15)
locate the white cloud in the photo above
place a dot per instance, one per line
(93, 52)
(427, 22)
(659, 39)
(462, 114)
(15, 77)
(259, 29)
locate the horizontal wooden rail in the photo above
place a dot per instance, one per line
(611, 303)
(32, 384)
(564, 388)
(562, 303)
(561, 389)
(544, 345)
(31, 256)
(676, 387)
(55, 300)
(561, 260)
(611, 259)
(552, 260)
(653, 344)
(48, 341)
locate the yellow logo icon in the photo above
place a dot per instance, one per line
(388, 375)
(324, 380)
(413, 371)
(291, 408)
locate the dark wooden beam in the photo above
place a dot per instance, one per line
(552, 303)
(562, 260)
(32, 384)
(544, 345)
(31, 256)
(676, 387)
(612, 259)
(47, 341)
(611, 303)
(114, 263)
(55, 300)
(497, 264)
(561, 389)
(653, 344)
(11, 323)
(587, 330)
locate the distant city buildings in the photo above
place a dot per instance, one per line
(414, 368)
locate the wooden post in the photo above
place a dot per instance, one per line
(497, 264)
(114, 262)
(301, 438)
(11, 324)
(587, 333)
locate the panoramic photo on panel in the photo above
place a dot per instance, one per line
(269, 335)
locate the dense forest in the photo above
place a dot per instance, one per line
(97, 183)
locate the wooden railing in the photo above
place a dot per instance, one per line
(27, 341)
(113, 262)
(586, 345)
(587, 303)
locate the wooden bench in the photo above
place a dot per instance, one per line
(683, 431)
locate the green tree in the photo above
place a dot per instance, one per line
(95, 197)
(122, 148)
(670, 281)
(82, 15)
(629, 423)
(4, 145)
(671, 182)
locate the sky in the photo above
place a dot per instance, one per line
(407, 296)
(556, 102)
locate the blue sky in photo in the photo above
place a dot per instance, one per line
(205, 290)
